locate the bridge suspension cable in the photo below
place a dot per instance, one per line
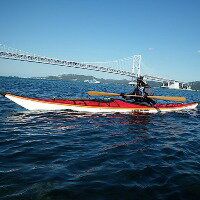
(14, 54)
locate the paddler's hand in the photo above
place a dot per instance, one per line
(145, 96)
(122, 95)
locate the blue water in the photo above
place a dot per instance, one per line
(69, 155)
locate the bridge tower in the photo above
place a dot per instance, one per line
(135, 69)
(136, 65)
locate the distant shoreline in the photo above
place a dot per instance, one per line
(195, 86)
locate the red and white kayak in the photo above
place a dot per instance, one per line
(94, 105)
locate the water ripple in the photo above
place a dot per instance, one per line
(70, 155)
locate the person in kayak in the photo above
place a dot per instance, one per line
(142, 89)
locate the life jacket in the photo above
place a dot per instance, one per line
(147, 91)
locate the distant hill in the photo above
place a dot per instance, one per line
(195, 85)
(82, 78)
(154, 84)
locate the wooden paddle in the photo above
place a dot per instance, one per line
(172, 98)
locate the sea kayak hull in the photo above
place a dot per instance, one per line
(94, 106)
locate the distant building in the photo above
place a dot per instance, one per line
(91, 81)
(132, 83)
(173, 85)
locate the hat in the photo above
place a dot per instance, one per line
(141, 80)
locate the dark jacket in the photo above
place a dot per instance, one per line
(142, 91)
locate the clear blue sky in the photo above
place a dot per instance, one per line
(165, 32)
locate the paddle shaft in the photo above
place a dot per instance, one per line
(173, 98)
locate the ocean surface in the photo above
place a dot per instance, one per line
(70, 155)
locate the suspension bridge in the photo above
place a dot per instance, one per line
(130, 66)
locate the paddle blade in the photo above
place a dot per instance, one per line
(169, 98)
(95, 93)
